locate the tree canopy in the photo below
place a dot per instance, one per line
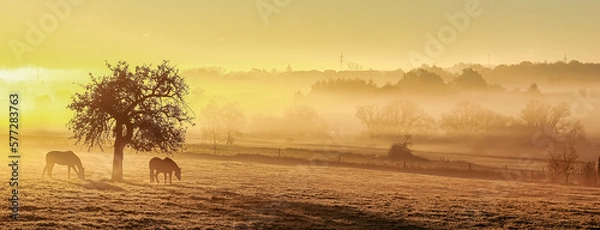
(142, 107)
(470, 80)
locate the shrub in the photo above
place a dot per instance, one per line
(401, 151)
(588, 173)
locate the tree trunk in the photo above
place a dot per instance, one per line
(117, 174)
(121, 141)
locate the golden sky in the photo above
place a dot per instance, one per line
(307, 34)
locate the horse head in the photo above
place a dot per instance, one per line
(82, 173)
(178, 173)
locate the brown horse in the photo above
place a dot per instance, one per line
(67, 158)
(165, 166)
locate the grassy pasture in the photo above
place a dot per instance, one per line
(229, 192)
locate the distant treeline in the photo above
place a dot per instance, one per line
(415, 81)
(429, 78)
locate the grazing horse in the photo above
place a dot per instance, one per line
(165, 166)
(67, 158)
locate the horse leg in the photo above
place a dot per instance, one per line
(75, 169)
(79, 170)
(171, 177)
(50, 168)
(151, 175)
(156, 176)
(165, 177)
(68, 171)
(45, 168)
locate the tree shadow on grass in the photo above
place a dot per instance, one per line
(281, 214)
(137, 184)
(101, 185)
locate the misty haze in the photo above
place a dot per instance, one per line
(301, 115)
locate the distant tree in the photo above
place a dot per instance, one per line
(470, 80)
(143, 108)
(444, 73)
(403, 118)
(420, 80)
(222, 123)
(398, 118)
(353, 66)
(370, 116)
(589, 174)
(344, 86)
(470, 119)
(563, 151)
(401, 151)
(212, 126)
(562, 162)
(545, 120)
(234, 118)
(533, 89)
(304, 121)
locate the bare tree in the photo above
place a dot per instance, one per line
(233, 118)
(562, 161)
(353, 66)
(143, 108)
(470, 119)
(542, 116)
(222, 123)
(398, 118)
(370, 116)
(304, 121)
(212, 125)
(563, 152)
(403, 118)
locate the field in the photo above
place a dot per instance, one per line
(233, 193)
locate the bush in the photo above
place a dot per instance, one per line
(401, 151)
(588, 174)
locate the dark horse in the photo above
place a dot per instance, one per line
(166, 166)
(67, 158)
